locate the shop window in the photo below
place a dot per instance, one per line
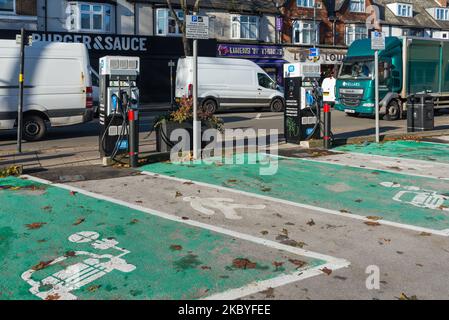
(245, 27)
(355, 32)
(357, 6)
(7, 6)
(89, 17)
(166, 22)
(305, 32)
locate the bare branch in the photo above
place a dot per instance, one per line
(178, 21)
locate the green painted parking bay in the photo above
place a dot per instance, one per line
(57, 244)
(419, 150)
(409, 200)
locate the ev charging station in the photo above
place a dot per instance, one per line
(304, 100)
(119, 105)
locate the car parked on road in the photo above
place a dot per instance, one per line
(228, 83)
(57, 86)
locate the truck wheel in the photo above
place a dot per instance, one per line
(277, 105)
(394, 111)
(34, 128)
(210, 106)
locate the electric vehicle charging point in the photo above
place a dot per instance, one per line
(304, 100)
(119, 106)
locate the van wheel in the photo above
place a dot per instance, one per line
(277, 105)
(354, 115)
(210, 106)
(34, 128)
(394, 111)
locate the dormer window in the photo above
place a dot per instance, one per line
(404, 10)
(442, 14)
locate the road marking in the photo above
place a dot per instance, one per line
(396, 158)
(227, 206)
(333, 263)
(444, 233)
(258, 116)
(366, 167)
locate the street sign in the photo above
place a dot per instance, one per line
(197, 27)
(171, 64)
(314, 52)
(377, 40)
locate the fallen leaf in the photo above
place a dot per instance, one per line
(264, 232)
(269, 293)
(277, 264)
(134, 221)
(403, 296)
(185, 218)
(344, 211)
(139, 201)
(41, 265)
(266, 189)
(93, 288)
(285, 231)
(425, 234)
(79, 221)
(188, 183)
(311, 223)
(359, 200)
(72, 193)
(175, 247)
(53, 297)
(206, 268)
(297, 262)
(35, 225)
(70, 254)
(372, 223)
(232, 181)
(242, 263)
(326, 271)
(374, 218)
(178, 194)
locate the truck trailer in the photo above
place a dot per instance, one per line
(407, 66)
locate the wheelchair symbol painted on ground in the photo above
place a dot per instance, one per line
(418, 197)
(208, 206)
(61, 284)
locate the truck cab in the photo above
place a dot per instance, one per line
(355, 87)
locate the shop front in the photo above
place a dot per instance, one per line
(330, 58)
(155, 54)
(268, 57)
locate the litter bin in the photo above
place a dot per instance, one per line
(420, 113)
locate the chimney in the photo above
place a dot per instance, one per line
(442, 3)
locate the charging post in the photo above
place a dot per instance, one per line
(303, 99)
(119, 105)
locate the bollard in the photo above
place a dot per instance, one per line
(133, 138)
(327, 126)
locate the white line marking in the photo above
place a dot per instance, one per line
(444, 233)
(396, 158)
(358, 167)
(258, 116)
(333, 263)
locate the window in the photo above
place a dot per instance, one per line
(245, 27)
(265, 81)
(305, 3)
(355, 32)
(405, 10)
(305, 33)
(7, 6)
(357, 6)
(166, 22)
(442, 14)
(89, 17)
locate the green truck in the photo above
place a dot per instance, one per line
(407, 66)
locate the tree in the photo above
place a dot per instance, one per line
(182, 23)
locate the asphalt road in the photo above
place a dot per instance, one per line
(86, 135)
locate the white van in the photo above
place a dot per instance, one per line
(228, 83)
(58, 86)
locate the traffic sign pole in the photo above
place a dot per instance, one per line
(376, 80)
(197, 27)
(377, 43)
(21, 88)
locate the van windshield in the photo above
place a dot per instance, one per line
(362, 69)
